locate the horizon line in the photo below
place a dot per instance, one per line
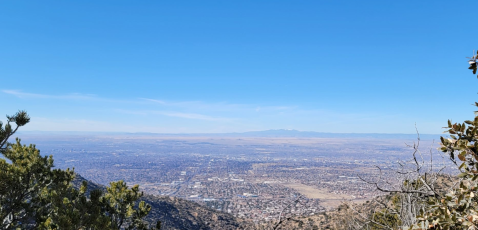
(198, 133)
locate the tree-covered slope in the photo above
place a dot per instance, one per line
(176, 213)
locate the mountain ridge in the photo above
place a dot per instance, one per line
(262, 133)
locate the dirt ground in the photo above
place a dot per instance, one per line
(328, 200)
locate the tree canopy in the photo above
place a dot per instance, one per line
(35, 195)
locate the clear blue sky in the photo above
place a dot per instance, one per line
(233, 66)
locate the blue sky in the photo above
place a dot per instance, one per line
(234, 66)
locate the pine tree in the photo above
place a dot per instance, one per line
(34, 195)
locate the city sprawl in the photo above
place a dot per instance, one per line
(250, 177)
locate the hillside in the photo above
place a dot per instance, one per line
(176, 213)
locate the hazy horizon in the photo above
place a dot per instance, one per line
(281, 133)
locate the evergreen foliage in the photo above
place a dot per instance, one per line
(21, 118)
(425, 198)
(34, 195)
(457, 209)
(457, 206)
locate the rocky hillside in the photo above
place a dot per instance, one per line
(176, 213)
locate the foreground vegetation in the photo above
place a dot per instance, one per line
(34, 195)
(425, 198)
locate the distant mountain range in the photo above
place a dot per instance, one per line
(305, 134)
(265, 133)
